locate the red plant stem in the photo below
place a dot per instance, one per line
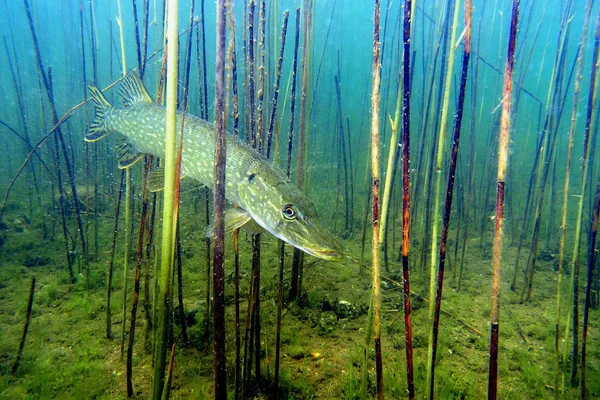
(406, 196)
(501, 182)
(450, 189)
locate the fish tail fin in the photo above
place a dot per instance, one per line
(97, 128)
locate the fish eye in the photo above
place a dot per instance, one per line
(289, 212)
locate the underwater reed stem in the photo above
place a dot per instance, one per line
(15, 73)
(126, 255)
(111, 264)
(167, 388)
(307, 10)
(220, 367)
(376, 285)
(145, 38)
(588, 288)
(25, 327)
(166, 268)
(138, 43)
(433, 261)
(294, 287)
(138, 273)
(232, 67)
(563, 225)
(338, 96)
(261, 79)
(251, 83)
(286, 14)
(406, 36)
(501, 183)
(591, 104)
(238, 341)
(448, 201)
(389, 174)
(182, 315)
(279, 309)
(122, 37)
(293, 96)
(47, 79)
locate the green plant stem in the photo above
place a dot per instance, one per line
(168, 228)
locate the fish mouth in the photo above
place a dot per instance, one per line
(330, 253)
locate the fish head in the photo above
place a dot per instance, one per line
(282, 209)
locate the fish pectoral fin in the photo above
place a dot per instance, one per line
(236, 218)
(128, 155)
(253, 227)
(156, 180)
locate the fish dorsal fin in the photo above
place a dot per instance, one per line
(132, 90)
(128, 155)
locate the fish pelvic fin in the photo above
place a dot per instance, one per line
(97, 128)
(128, 155)
(132, 90)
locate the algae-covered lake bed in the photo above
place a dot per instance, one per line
(67, 355)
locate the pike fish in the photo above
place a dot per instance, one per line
(265, 196)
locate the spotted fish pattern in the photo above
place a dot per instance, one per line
(265, 196)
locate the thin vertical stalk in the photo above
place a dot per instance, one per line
(376, 295)
(220, 368)
(166, 269)
(112, 259)
(261, 79)
(238, 342)
(277, 82)
(307, 6)
(588, 288)
(407, 22)
(433, 261)
(138, 273)
(15, 74)
(25, 327)
(126, 255)
(584, 168)
(390, 168)
(279, 309)
(295, 279)
(138, 43)
(501, 183)
(251, 83)
(338, 96)
(47, 79)
(122, 37)
(448, 201)
(232, 67)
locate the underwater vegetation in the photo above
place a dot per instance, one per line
(299, 199)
